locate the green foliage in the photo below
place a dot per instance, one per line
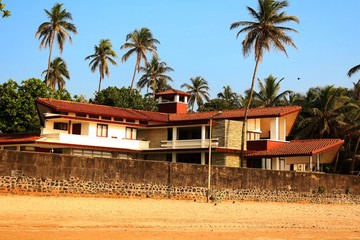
(5, 13)
(321, 189)
(218, 104)
(17, 104)
(123, 97)
(347, 190)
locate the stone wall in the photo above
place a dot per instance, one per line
(43, 173)
(156, 135)
(228, 132)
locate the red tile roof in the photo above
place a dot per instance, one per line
(10, 138)
(237, 113)
(173, 91)
(306, 147)
(94, 109)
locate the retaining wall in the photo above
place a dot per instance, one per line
(43, 173)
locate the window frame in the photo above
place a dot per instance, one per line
(61, 126)
(102, 128)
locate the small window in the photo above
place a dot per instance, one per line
(119, 119)
(130, 120)
(81, 114)
(143, 122)
(102, 130)
(105, 118)
(61, 126)
(131, 133)
(94, 116)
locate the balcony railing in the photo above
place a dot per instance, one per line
(95, 141)
(190, 143)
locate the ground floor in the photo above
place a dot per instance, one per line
(195, 156)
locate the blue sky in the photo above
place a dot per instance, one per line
(195, 41)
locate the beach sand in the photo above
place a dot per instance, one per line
(40, 218)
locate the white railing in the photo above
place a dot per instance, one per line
(95, 141)
(190, 143)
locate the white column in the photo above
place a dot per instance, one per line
(174, 137)
(173, 157)
(202, 158)
(275, 163)
(310, 164)
(263, 163)
(318, 162)
(203, 135)
(282, 133)
(268, 163)
(176, 98)
(274, 128)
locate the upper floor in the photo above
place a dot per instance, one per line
(83, 124)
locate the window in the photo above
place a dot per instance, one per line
(130, 120)
(189, 133)
(94, 116)
(131, 133)
(105, 118)
(102, 130)
(118, 119)
(80, 114)
(61, 126)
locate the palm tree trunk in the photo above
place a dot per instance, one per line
(133, 78)
(154, 87)
(243, 132)
(99, 84)
(49, 60)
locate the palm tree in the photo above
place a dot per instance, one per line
(56, 74)
(58, 27)
(103, 54)
(268, 94)
(353, 70)
(325, 113)
(228, 94)
(262, 34)
(199, 91)
(154, 73)
(140, 42)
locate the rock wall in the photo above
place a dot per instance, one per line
(51, 174)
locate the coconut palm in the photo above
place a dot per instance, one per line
(199, 91)
(140, 42)
(268, 94)
(56, 74)
(324, 116)
(228, 94)
(154, 73)
(353, 70)
(58, 27)
(99, 60)
(264, 33)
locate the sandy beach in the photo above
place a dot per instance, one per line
(39, 217)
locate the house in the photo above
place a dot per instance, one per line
(173, 134)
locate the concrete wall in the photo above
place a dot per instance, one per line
(41, 171)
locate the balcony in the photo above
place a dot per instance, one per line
(70, 139)
(189, 143)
